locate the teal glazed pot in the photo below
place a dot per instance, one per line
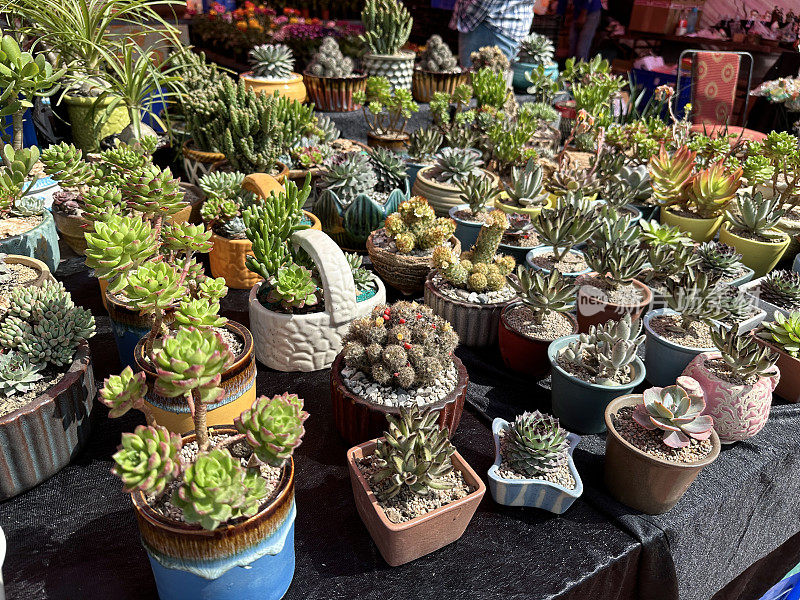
(536, 493)
(466, 231)
(249, 560)
(350, 226)
(41, 243)
(128, 326)
(578, 404)
(520, 68)
(412, 168)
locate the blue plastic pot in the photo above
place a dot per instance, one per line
(581, 405)
(466, 231)
(518, 252)
(520, 68)
(41, 243)
(665, 360)
(535, 493)
(412, 168)
(544, 250)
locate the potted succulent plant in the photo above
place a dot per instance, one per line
(533, 463)
(423, 144)
(470, 290)
(492, 59)
(723, 262)
(478, 194)
(534, 51)
(386, 111)
(519, 238)
(414, 459)
(776, 292)
(657, 444)
(633, 182)
(438, 184)
(738, 379)
(331, 80)
(272, 71)
(541, 315)
(675, 335)
(217, 498)
(751, 230)
(397, 356)
(20, 271)
(783, 334)
(741, 311)
(387, 25)
(311, 291)
(665, 261)
(46, 384)
(525, 194)
(591, 369)
(356, 192)
(401, 251)
(436, 71)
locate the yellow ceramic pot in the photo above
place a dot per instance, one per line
(759, 256)
(700, 230)
(531, 211)
(293, 87)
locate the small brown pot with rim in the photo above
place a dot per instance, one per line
(71, 229)
(224, 165)
(522, 353)
(404, 272)
(644, 482)
(789, 385)
(396, 142)
(400, 543)
(359, 420)
(424, 84)
(334, 94)
(593, 309)
(33, 263)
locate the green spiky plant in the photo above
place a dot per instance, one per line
(711, 190)
(677, 411)
(756, 216)
(479, 192)
(783, 332)
(490, 88)
(658, 234)
(536, 49)
(386, 110)
(423, 144)
(271, 61)
(719, 259)
(526, 188)
(543, 295)
(535, 445)
(348, 176)
(387, 25)
(415, 226)
(454, 165)
(745, 358)
(693, 296)
(570, 222)
(782, 288)
(670, 176)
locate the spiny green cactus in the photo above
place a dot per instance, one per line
(18, 374)
(543, 295)
(677, 411)
(329, 60)
(415, 226)
(535, 444)
(271, 61)
(124, 392)
(437, 57)
(147, 459)
(387, 25)
(293, 287)
(273, 427)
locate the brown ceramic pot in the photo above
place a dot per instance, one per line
(644, 482)
(334, 94)
(396, 143)
(71, 229)
(789, 367)
(358, 420)
(400, 543)
(593, 309)
(424, 84)
(197, 162)
(39, 439)
(522, 353)
(35, 264)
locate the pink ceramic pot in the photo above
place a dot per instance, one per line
(739, 411)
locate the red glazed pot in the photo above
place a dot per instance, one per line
(593, 309)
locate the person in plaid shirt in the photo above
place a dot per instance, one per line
(501, 23)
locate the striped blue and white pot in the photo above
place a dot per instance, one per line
(535, 493)
(248, 560)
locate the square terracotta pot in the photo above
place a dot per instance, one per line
(400, 543)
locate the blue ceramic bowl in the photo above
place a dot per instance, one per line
(466, 231)
(535, 493)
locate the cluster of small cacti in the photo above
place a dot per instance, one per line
(348, 175)
(437, 57)
(535, 444)
(536, 49)
(387, 25)
(677, 410)
(403, 345)
(271, 61)
(329, 61)
(489, 57)
(415, 226)
(480, 269)
(782, 288)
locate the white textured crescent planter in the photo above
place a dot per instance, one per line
(311, 341)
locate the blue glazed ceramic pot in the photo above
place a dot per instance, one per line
(412, 168)
(544, 250)
(249, 560)
(520, 68)
(41, 243)
(129, 326)
(536, 493)
(466, 231)
(578, 404)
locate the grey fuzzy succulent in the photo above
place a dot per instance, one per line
(17, 374)
(454, 165)
(437, 57)
(348, 175)
(271, 61)
(330, 62)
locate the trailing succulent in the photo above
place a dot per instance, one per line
(535, 445)
(271, 61)
(746, 358)
(437, 57)
(782, 288)
(402, 345)
(783, 332)
(387, 25)
(677, 411)
(415, 226)
(329, 61)
(542, 294)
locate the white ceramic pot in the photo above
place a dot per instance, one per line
(752, 288)
(397, 68)
(310, 342)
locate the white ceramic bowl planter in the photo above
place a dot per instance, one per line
(309, 342)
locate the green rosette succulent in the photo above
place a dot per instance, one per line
(152, 191)
(536, 444)
(124, 392)
(117, 245)
(186, 237)
(64, 163)
(293, 287)
(147, 459)
(199, 312)
(18, 374)
(100, 203)
(273, 427)
(190, 360)
(213, 289)
(154, 286)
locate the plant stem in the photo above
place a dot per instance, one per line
(16, 121)
(200, 426)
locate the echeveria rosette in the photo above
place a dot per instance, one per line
(147, 459)
(199, 312)
(153, 286)
(18, 374)
(124, 392)
(213, 289)
(190, 360)
(273, 427)
(293, 287)
(677, 411)
(118, 245)
(152, 192)
(186, 238)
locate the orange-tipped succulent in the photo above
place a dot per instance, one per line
(671, 175)
(712, 189)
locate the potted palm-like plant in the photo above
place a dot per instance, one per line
(46, 384)
(331, 79)
(217, 498)
(386, 111)
(437, 71)
(657, 444)
(751, 230)
(387, 25)
(591, 369)
(525, 193)
(414, 459)
(271, 71)
(540, 316)
(533, 463)
(783, 334)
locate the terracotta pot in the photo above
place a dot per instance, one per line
(227, 259)
(400, 543)
(424, 84)
(760, 256)
(475, 324)
(441, 197)
(593, 309)
(404, 272)
(191, 562)
(644, 482)
(292, 88)
(71, 229)
(224, 165)
(700, 230)
(739, 411)
(35, 264)
(788, 387)
(238, 382)
(359, 420)
(197, 163)
(39, 439)
(334, 94)
(396, 143)
(522, 353)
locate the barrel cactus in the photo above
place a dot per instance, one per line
(535, 444)
(148, 459)
(273, 427)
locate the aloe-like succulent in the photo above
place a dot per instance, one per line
(570, 222)
(273, 427)
(694, 296)
(527, 187)
(677, 411)
(536, 49)
(147, 459)
(670, 175)
(479, 192)
(757, 215)
(711, 190)
(543, 294)
(535, 444)
(18, 374)
(293, 287)
(614, 251)
(423, 143)
(782, 288)
(271, 61)
(124, 392)
(783, 332)
(744, 356)
(658, 234)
